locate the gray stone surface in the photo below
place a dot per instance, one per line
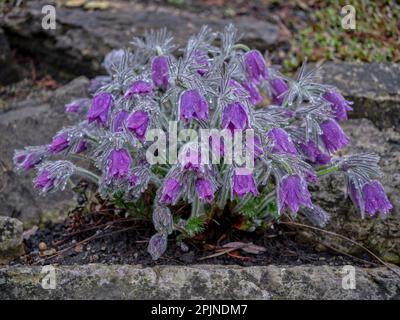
(9, 71)
(10, 239)
(33, 122)
(374, 88)
(96, 281)
(82, 38)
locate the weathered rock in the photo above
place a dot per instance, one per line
(380, 234)
(96, 281)
(374, 88)
(10, 239)
(9, 71)
(33, 122)
(82, 38)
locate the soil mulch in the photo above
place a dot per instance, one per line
(92, 239)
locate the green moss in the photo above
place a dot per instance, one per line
(375, 39)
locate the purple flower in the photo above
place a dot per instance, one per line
(293, 193)
(170, 191)
(254, 93)
(205, 190)
(157, 245)
(201, 58)
(81, 146)
(373, 197)
(29, 157)
(255, 66)
(243, 183)
(193, 105)
(234, 117)
(139, 87)
(137, 123)
(75, 106)
(317, 215)
(133, 180)
(278, 88)
(118, 164)
(44, 182)
(97, 82)
(59, 143)
(339, 104)
(118, 121)
(100, 108)
(160, 72)
(191, 160)
(314, 154)
(282, 143)
(333, 136)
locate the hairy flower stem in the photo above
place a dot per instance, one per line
(241, 46)
(327, 170)
(87, 174)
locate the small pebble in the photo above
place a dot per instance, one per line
(42, 246)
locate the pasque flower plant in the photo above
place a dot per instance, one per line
(296, 125)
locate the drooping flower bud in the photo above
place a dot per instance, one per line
(76, 106)
(137, 123)
(118, 121)
(118, 163)
(281, 141)
(100, 108)
(163, 220)
(29, 157)
(243, 183)
(53, 175)
(333, 136)
(140, 88)
(373, 198)
(193, 105)
(339, 104)
(160, 72)
(81, 146)
(202, 60)
(170, 191)
(234, 117)
(157, 245)
(314, 154)
(59, 143)
(293, 193)
(44, 182)
(255, 67)
(278, 88)
(205, 190)
(255, 96)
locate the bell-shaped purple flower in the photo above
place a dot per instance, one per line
(160, 72)
(340, 105)
(43, 181)
(137, 123)
(281, 141)
(81, 146)
(293, 193)
(193, 105)
(118, 163)
(205, 190)
(170, 191)
(254, 93)
(133, 180)
(191, 159)
(202, 60)
(243, 183)
(255, 67)
(333, 136)
(234, 117)
(373, 196)
(140, 88)
(29, 157)
(118, 121)
(76, 106)
(278, 88)
(314, 154)
(100, 108)
(59, 143)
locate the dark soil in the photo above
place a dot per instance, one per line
(124, 241)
